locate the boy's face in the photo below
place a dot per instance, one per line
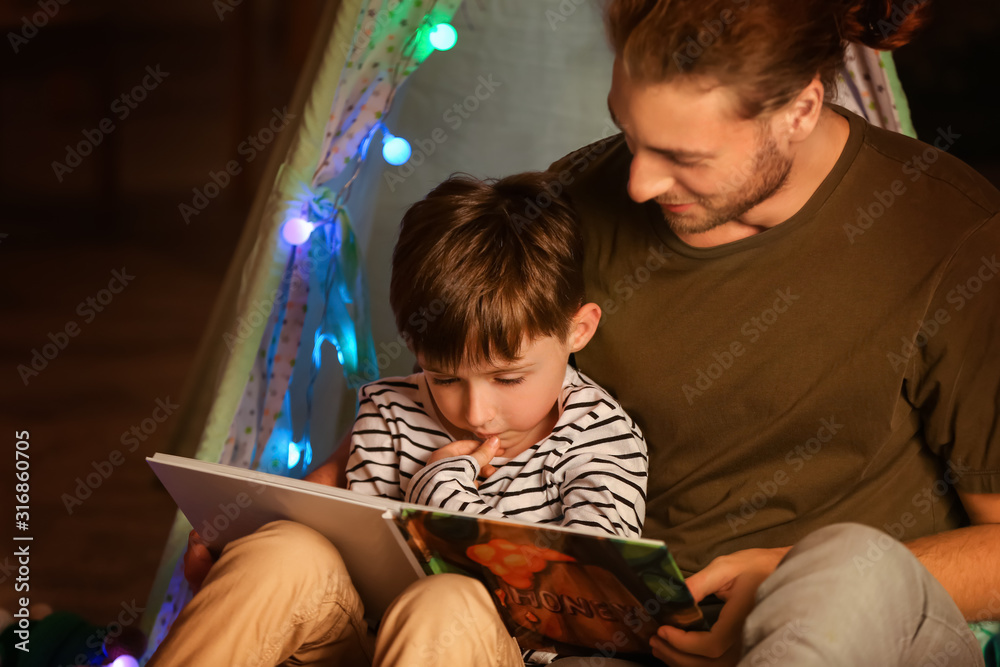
(514, 401)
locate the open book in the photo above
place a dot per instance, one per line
(567, 590)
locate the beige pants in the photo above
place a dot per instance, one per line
(283, 596)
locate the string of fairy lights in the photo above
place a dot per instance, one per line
(327, 217)
(395, 150)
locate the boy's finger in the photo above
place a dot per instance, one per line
(462, 447)
(485, 452)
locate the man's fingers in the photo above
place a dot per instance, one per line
(675, 657)
(715, 577)
(707, 644)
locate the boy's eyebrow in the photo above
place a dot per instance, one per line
(511, 369)
(499, 371)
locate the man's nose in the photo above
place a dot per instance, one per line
(645, 180)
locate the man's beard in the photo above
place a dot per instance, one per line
(767, 173)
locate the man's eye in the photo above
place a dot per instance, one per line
(510, 380)
(443, 381)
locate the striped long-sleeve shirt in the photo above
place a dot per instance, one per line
(589, 472)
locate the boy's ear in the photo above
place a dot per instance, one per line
(584, 326)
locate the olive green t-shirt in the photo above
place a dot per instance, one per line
(841, 366)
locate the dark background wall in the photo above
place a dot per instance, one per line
(97, 549)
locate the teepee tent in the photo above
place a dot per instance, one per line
(302, 318)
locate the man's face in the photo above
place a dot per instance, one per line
(692, 154)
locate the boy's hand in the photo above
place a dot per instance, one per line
(735, 579)
(197, 561)
(483, 452)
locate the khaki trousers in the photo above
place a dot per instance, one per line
(282, 596)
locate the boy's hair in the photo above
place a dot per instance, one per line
(481, 266)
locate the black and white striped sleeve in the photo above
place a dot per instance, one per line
(603, 476)
(373, 464)
(450, 484)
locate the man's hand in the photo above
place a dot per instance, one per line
(197, 561)
(735, 579)
(483, 452)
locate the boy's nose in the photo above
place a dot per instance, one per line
(479, 411)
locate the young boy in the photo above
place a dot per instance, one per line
(497, 423)
(492, 305)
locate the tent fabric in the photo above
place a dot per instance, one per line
(382, 57)
(525, 84)
(220, 371)
(868, 86)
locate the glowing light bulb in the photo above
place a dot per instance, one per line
(296, 231)
(125, 661)
(293, 455)
(395, 150)
(443, 36)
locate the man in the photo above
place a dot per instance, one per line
(802, 316)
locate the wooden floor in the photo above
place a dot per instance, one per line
(91, 555)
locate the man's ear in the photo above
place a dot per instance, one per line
(801, 115)
(584, 326)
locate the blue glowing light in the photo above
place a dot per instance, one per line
(443, 36)
(395, 150)
(296, 231)
(317, 354)
(293, 455)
